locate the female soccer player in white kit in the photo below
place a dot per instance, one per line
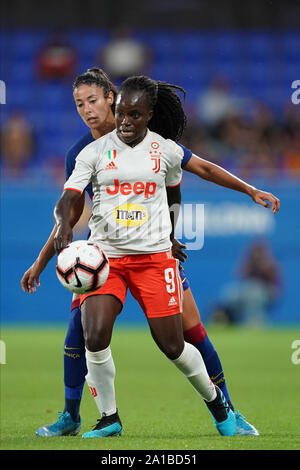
(131, 222)
(93, 94)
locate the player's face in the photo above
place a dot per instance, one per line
(92, 106)
(132, 115)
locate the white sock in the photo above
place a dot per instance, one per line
(191, 364)
(100, 379)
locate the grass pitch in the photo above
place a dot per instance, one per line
(158, 407)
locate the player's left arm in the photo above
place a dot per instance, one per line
(218, 175)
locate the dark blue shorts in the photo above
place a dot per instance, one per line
(185, 282)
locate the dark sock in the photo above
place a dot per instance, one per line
(73, 407)
(217, 408)
(75, 368)
(198, 337)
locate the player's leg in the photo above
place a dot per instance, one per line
(168, 335)
(195, 333)
(159, 273)
(75, 368)
(99, 313)
(69, 422)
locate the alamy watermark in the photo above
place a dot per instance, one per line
(2, 352)
(295, 97)
(2, 92)
(151, 223)
(295, 358)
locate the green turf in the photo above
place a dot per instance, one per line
(158, 407)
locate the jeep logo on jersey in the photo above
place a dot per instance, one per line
(148, 189)
(131, 215)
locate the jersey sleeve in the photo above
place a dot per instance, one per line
(174, 173)
(69, 164)
(70, 161)
(84, 169)
(187, 154)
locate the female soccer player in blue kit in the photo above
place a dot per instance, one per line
(94, 97)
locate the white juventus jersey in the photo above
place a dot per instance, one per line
(130, 209)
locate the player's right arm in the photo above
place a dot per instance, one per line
(62, 215)
(73, 189)
(31, 278)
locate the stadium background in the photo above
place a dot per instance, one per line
(256, 48)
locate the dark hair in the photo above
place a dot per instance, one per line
(96, 76)
(169, 119)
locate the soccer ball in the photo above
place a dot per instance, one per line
(82, 267)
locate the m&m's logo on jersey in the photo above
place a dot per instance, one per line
(131, 215)
(155, 156)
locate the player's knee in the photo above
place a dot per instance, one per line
(93, 343)
(96, 339)
(172, 350)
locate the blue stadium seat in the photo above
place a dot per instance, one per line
(19, 96)
(87, 42)
(226, 47)
(25, 45)
(291, 71)
(200, 72)
(258, 45)
(259, 62)
(164, 46)
(231, 71)
(55, 95)
(193, 89)
(165, 71)
(291, 46)
(194, 47)
(22, 72)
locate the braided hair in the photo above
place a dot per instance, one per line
(169, 119)
(97, 76)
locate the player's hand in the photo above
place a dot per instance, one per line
(63, 237)
(177, 250)
(261, 197)
(31, 278)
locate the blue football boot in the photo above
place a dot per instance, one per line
(107, 426)
(243, 427)
(64, 426)
(224, 418)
